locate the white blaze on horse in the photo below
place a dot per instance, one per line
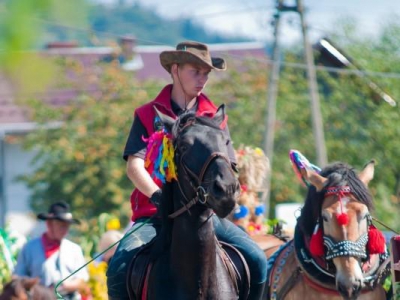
(337, 253)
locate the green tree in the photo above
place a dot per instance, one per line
(22, 27)
(79, 159)
(358, 124)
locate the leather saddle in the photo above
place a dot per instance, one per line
(141, 265)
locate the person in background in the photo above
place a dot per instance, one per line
(108, 238)
(52, 257)
(190, 66)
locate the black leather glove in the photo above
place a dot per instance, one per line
(156, 198)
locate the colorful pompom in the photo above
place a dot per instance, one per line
(241, 212)
(342, 219)
(259, 210)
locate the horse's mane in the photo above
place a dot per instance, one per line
(163, 238)
(185, 117)
(338, 174)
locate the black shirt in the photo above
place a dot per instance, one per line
(137, 147)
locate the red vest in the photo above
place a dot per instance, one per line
(141, 205)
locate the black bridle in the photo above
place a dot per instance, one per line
(201, 194)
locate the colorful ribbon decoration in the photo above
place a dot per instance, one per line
(299, 161)
(159, 159)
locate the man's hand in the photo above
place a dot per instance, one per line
(156, 198)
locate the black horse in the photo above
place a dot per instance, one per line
(187, 261)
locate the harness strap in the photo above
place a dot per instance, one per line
(229, 265)
(209, 160)
(184, 208)
(381, 273)
(289, 284)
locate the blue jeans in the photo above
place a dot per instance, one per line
(127, 248)
(225, 231)
(228, 232)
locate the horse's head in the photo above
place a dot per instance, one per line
(205, 174)
(19, 288)
(341, 208)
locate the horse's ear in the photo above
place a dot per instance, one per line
(219, 116)
(367, 173)
(314, 178)
(30, 282)
(165, 119)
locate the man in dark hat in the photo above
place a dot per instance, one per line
(189, 65)
(52, 257)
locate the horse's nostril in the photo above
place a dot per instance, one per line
(218, 187)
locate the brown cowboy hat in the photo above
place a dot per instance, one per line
(191, 52)
(58, 211)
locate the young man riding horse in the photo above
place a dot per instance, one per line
(189, 66)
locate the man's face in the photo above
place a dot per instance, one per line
(57, 230)
(193, 78)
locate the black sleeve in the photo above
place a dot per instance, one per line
(135, 144)
(231, 151)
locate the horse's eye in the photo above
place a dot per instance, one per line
(324, 218)
(183, 148)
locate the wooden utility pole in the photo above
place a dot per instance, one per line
(273, 93)
(318, 128)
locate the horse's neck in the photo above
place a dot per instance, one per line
(194, 250)
(193, 235)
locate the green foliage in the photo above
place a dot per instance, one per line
(358, 124)
(80, 160)
(9, 249)
(21, 28)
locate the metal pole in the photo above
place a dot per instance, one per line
(271, 107)
(318, 129)
(3, 200)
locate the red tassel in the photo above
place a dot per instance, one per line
(342, 219)
(376, 241)
(317, 242)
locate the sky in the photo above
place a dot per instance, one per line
(252, 18)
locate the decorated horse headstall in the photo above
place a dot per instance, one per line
(160, 163)
(369, 243)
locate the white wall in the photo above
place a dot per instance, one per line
(18, 213)
(288, 212)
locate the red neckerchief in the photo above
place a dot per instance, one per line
(50, 246)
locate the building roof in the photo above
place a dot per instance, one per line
(146, 65)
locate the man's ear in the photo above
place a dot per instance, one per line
(167, 121)
(174, 69)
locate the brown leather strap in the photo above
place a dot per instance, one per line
(289, 284)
